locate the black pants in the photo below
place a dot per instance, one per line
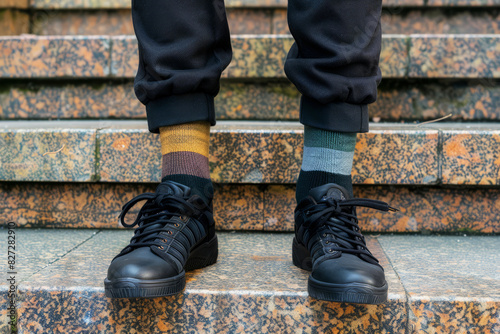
(184, 46)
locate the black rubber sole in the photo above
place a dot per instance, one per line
(202, 256)
(356, 293)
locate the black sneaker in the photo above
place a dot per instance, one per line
(175, 233)
(328, 241)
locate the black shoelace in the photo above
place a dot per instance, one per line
(346, 234)
(160, 209)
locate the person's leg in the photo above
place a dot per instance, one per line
(183, 48)
(334, 64)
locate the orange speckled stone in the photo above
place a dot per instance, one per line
(14, 3)
(253, 207)
(258, 57)
(13, 22)
(397, 101)
(402, 3)
(394, 56)
(80, 101)
(47, 153)
(280, 22)
(253, 288)
(471, 158)
(460, 56)
(249, 21)
(124, 57)
(396, 156)
(439, 21)
(118, 22)
(42, 57)
(80, 4)
(453, 282)
(465, 3)
(260, 152)
(101, 4)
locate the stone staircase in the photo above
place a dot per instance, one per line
(74, 147)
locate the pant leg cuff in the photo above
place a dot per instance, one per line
(180, 109)
(335, 116)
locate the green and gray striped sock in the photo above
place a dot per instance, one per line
(327, 158)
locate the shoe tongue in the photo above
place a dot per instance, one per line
(330, 190)
(170, 188)
(338, 193)
(173, 188)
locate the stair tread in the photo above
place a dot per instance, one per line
(466, 101)
(402, 56)
(255, 274)
(253, 207)
(248, 152)
(112, 4)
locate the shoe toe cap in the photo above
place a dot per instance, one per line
(349, 269)
(141, 263)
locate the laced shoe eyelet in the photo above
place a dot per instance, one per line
(164, 240)
(330, 251)
(176, 225)
(327, 242)
(161, 247)
(170, 232)
(184, 218)
(324, 235)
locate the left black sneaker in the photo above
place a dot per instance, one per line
(175, 233)
(328, 241)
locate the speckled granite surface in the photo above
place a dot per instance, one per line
(14, 3)
(56, 154)
(270, 21)
(453, 282)
(429, 56)
(248, 290)
(462, 56)
(397, 101)
(253, 207)
(471, 159)
(68, 4)
(54, 56)
(13, 22)
(260, 56)
(248, 152)
(34, 251)
(260, 152)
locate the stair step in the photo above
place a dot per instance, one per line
(253, 207)
(113, 4)
(266, 21)
(13, 22)
(254, 288)
(429, 56)
(397, 101)
(248, 152)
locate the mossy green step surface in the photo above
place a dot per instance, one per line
(255, 57)
(248, 152)
(254, 288)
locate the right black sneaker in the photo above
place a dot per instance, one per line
(329, 243)
(175, 233)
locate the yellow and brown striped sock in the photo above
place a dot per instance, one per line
(184, 148)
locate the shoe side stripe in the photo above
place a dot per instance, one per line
(180, 248)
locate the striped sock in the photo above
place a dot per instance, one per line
(327, 158)
(185, 156)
